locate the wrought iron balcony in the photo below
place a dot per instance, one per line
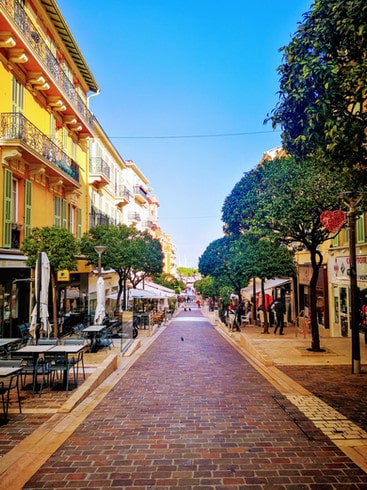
(16, 130)
(16, 12)
(140, 194)
(99, 172)
(134, 216)
(123, 195)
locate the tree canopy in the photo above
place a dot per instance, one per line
(131, 253)
(323, 91)
(287, 197)
(61, 248)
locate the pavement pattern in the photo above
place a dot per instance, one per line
(192, 412)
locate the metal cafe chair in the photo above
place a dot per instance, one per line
(47, 342)
(9, 383)
(80, 357)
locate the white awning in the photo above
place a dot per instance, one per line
(143, 294)
(268, 285)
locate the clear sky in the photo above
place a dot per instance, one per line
(185, 88)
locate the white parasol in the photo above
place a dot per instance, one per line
(42, 281)
(100, 312)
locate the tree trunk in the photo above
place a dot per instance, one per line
(118, 299)
(316, 261)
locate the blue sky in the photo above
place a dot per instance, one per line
(179, 80)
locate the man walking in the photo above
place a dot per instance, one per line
(279, 316)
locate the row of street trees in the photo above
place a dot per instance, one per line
(132, 254)
(322, 113)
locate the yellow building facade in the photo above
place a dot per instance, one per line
(58, 167)
(44, 127)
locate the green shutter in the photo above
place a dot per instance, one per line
(57, 211)
(27, 208)
(64, 214)
(8, 176)
(79, 223)
(361, 235)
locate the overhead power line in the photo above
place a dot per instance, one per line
(182, 136)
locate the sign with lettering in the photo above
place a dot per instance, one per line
(338, 268)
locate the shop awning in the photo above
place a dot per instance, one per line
(268, 285)
(143, 294)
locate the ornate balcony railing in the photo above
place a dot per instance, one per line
(140, 192)
(98, 166)
(134, 216)
(61, 80)
(14, 126)
(123, 192)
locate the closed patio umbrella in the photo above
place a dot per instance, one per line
(42, 282)
(100, 312)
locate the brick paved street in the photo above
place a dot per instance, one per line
(191, 413)
(337, 387)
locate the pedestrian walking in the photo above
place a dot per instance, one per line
(279, 316)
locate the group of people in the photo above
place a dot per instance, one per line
(276, 317)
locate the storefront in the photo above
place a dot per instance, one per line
(274, 289)
(304, 279)
(15, 291)
(339, 282)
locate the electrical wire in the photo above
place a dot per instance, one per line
(214, 135)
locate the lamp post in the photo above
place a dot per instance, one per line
(352, 203)
(99, 249)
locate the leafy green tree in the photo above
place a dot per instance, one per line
(207, 287)
(131, 253)
(291, 196)
(232, 261)
(244, 196)
(225, 261)
(186, 273)
(148, 258)
(323, 107)
(269, 259)
(61, 248)
(169, 281)
(323, 90)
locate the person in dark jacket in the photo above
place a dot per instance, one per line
(279, 316)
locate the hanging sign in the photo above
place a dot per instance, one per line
(333, 220)
(63, 275)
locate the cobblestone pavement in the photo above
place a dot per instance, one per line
(336, 386)
(191, 413)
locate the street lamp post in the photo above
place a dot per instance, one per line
(100, 249)
(352, 203)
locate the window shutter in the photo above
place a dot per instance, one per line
(27, 208)
(57, 211)
(79, 223)
(64, 215)
(7, 208)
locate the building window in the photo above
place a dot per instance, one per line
(57, 211)
(79, 223)
(17, 96)
(14, 200)
(360, 228)
(27, 208)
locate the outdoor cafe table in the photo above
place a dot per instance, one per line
(34, 351)
(66, 350)
(6, 345)
(5, 372)
(93, 331)
(7, 342)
